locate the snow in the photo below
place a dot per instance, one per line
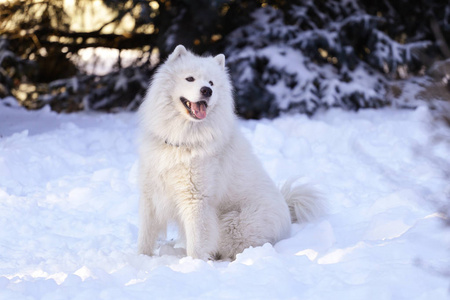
(69, 213)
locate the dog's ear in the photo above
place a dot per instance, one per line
(180, 50)
(220, 60)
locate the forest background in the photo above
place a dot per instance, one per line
(283, 56)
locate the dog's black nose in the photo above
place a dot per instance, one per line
(206, 91)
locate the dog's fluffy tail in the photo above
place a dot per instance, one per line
(305, 203)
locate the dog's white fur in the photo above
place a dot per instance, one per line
(202, 173)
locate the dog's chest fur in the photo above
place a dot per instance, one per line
(185, 175)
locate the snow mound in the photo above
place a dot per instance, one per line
(69, 213)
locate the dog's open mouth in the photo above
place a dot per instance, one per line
(197, 110)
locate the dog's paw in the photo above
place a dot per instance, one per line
(215, 256)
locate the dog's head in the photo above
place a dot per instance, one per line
(196, 83)
(189, 100)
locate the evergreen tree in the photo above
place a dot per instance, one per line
(318, 54)
(283, 56)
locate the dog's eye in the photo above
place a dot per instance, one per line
(190, 79)
(211, 83)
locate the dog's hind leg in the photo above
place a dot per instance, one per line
(252, 225)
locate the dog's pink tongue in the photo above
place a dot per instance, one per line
(199, 109)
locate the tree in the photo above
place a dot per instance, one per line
(41, 35)
(284, 56)
(309, 55)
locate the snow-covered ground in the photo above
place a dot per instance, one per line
(68, 212)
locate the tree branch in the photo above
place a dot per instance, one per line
(70, 38)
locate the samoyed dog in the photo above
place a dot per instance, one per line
(198, 170)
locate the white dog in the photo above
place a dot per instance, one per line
(197, 169)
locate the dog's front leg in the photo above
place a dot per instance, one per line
(149, 224)
(201, 228)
